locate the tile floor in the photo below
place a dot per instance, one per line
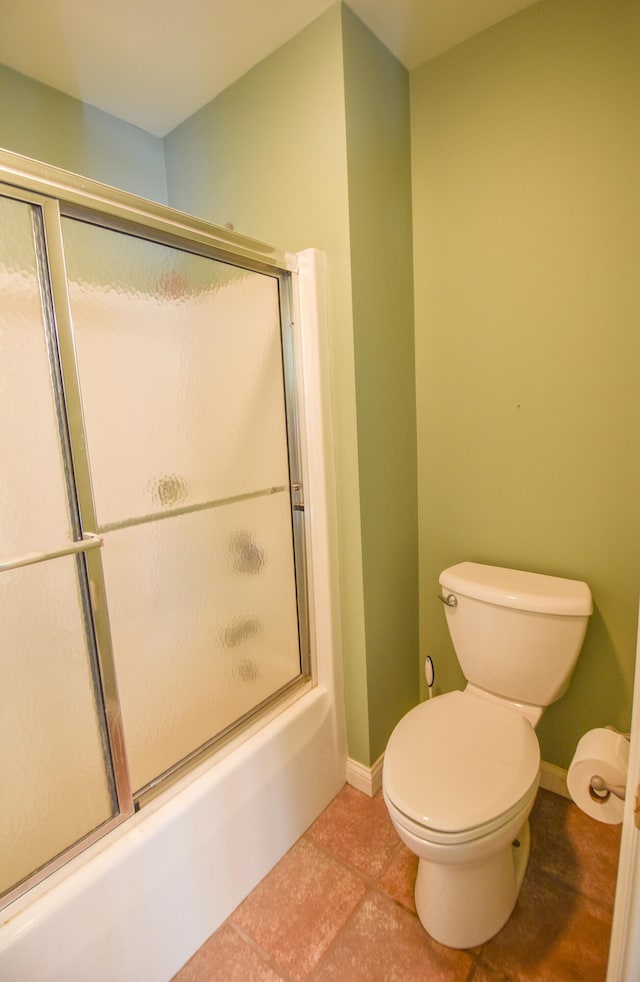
(340, 906)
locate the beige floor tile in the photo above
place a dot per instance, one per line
(225, 957)
(358, 830)
(385, 943)
(296, 911)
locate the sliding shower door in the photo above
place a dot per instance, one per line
(181, 376)
(55, 765)
(152, 561)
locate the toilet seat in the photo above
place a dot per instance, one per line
(459, 766)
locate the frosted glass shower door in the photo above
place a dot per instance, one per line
(55, 768)
(181, 374)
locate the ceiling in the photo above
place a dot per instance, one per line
(153, 63)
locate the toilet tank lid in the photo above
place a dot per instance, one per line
(516, 588)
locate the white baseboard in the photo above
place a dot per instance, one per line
(554, 778)
(367, 779)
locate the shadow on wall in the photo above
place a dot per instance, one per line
(593, 693)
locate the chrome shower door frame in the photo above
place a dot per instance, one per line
(57, 194)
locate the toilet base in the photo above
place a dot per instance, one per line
(463, 906)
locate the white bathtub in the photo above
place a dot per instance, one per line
(139, 903)
(140, 907)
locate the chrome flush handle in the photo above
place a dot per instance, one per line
(450, 600)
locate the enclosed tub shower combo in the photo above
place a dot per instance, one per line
(167, 673)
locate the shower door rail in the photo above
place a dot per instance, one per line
(54, 198)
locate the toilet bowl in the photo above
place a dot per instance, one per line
(460, 776)
(461, 771)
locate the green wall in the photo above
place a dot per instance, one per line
(379, 177)
(526, 215)
(40, 122)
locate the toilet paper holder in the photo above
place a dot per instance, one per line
(601, 791)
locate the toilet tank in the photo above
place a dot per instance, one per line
(516, 634)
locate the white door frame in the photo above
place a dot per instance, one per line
(624, 952)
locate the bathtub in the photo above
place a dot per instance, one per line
(136, 905)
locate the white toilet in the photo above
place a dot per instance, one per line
(461, 771)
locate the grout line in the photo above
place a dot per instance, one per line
(477, 966)
(316, 968)
(367, 882)
(266, 957)
(396, 852)
(373, 880)
(397, 849)
(370, 893)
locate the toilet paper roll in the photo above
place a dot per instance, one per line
(606, 753)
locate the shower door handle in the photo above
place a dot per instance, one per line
(89, 541)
